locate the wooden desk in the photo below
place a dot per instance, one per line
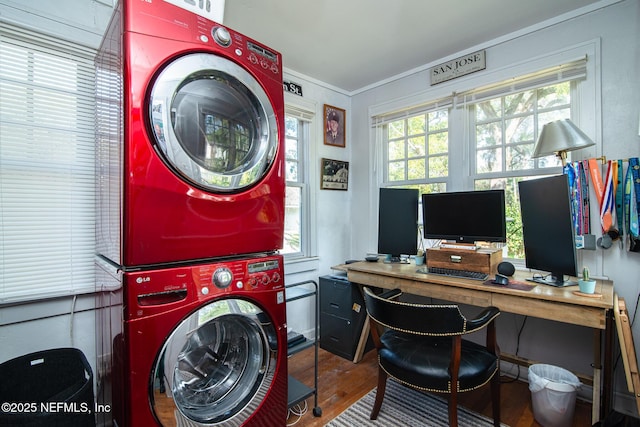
(545, 302)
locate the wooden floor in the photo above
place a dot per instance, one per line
(341, 383)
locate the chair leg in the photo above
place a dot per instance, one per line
(453, 408)
(382, 385)
(495, 399)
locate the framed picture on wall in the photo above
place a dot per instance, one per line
(334, 126)
(335, 175)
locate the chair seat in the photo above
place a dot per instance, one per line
(423, 362)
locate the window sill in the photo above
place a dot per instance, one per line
(301, 264)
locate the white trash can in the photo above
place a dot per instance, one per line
(553, 395)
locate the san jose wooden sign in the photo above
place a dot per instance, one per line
(458, 67)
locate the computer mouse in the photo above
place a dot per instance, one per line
(501, 280)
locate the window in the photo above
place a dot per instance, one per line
(505, 130)
(296, 222)
(46, 166)
(416, 151)
(423, 145)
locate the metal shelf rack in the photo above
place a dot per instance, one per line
(298, 391)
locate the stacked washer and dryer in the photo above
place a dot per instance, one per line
(191, 318)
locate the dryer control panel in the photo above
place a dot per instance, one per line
(200, 22)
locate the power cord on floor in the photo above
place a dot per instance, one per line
(297, 411)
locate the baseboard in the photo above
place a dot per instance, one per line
(624, 403)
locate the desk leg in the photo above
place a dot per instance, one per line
(364, 335)
(362, 342)
(608, 364)
(597, 376)
(602, 375)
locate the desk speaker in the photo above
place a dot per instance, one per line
(506, 268)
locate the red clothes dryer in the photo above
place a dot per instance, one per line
(203, 345)
(190, 125)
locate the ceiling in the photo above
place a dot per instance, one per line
(352, 44)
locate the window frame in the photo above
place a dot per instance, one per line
(586, 113)
(407, 158)
(304, 112)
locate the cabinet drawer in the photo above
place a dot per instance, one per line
(338, 336)
(484, 261)
(337, 297)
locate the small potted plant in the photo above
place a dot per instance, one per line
(586, 283)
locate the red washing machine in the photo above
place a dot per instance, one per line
(203, 345)
(190, 125)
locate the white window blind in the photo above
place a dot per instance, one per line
(299, 113)
(46, 166)
(391, 116)
(573, 70)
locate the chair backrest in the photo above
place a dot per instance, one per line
(419, 319)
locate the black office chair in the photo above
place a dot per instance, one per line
(421, 346)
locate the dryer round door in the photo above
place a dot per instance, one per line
(213, 123)
(216, 366)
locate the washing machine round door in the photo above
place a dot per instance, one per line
(213, 123)
(216, 366)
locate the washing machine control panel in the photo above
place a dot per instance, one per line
(245, 275)
(152, 292)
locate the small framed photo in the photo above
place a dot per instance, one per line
(334, 126)
(335, 175)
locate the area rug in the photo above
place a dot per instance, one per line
(406, 407)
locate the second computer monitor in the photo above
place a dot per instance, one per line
(547, 228)
(465, 216)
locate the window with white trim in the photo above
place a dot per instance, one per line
(501, 123)
(46, 166)
(296, 223)
(416, 148)
(505, 130)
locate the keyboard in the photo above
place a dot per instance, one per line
(464, 274)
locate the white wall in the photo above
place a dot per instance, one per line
(331, 208)
(616, 29)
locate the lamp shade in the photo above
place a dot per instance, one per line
(560, 136)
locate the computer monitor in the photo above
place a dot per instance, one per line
(547, 229)
(465, 216)
(398, 222)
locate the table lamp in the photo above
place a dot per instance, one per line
(558, 137)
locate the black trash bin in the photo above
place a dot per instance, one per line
(47, 388)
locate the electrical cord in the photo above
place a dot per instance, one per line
(72, 315)
(524, 322)
(297, 411)
(635, 311)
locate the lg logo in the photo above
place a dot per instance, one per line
(143, 279)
